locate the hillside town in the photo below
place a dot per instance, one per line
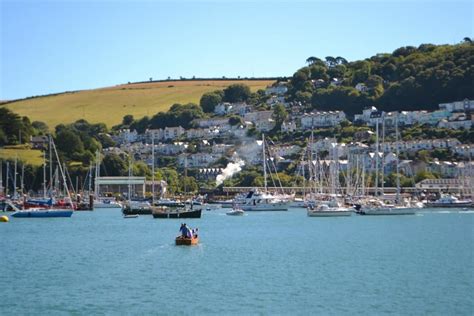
(204, 146)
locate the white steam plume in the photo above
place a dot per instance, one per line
(229, 171)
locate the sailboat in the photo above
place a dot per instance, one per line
(49, 210)
(262, 201)
(332, 206)
(134, 206)
(376, 206)
(101, 202)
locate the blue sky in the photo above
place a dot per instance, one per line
(56, 46)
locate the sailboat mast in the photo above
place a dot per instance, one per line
(129, 179)
(397, 161)
(376, 156)
(97, 174)
(90, 179)
(22, 178)
(382, 169)
(63, 174)
(14, 178)
(153, 169)
(50, 163)
(1, 177)
(264, 164)
(7, 178)
(44, 174)
(363, 176)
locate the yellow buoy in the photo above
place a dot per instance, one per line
(4, 219)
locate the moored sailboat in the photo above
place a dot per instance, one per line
(262, 201)
(65, 210)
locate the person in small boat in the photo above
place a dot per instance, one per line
(186, 232)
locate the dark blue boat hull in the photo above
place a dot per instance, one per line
(45, 213)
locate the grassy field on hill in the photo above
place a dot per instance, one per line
(109, 105)
(23, 153)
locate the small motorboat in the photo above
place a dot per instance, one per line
(184, 241)
(184, 212)
(236, 212)
(130, 216)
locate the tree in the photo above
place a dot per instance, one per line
(341, 60)
(141, 125)
(422, 175)
(236, 93)
(311, 60)
(114, 165)
(178, 115)
(141, 169)
(279, 115)
(235, 120)
(209, 100)
(331, 61)
(105, 140)
(127, 120)
(189, 184)
(69, 143)
(15, 126)
(171, 177)
(40, 127)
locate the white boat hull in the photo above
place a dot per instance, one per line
(236, 213)
(265, 207)
(107, 205)
(388, 211)
(329, 213)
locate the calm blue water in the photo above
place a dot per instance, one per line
(262, 263)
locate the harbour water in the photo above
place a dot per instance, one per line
(262, 263)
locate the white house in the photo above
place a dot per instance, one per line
(416, 145)
(211, 122)
(221, 149)
(366, 114)
(463, 150)
(285, 150)
(265, 125)
(221, 108)
(277, 89)
(173, 132)
(256, 116)
(126, 136)
(446, 169)
(322, 119)
(197, 160)
(458, 106)
(288, 127)
(457, 121)
(274, 99)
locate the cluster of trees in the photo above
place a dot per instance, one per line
(232, 94)
(183, 114)
(80, 140)
(418, 132)
(251, 176)
(118, 165)
(410, 78)
(178, 115)
(16, 129)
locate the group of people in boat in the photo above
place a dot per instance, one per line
(187, 232)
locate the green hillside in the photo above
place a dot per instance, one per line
(109, 105)
(409, 78)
